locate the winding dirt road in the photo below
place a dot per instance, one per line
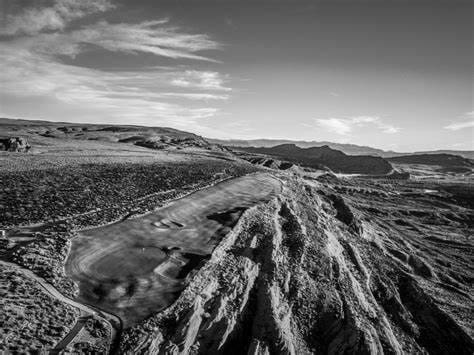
(114, 321)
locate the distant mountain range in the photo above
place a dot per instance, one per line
(349, 149)
(319, 157)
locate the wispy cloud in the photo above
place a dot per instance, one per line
(460, 125)
(468, 122)
(147, 37)
(124, 95)
(201, 80)
(346, 125)
(36, 39)
(56, 17)
(195, 96)
(336, 125)
(153, 37)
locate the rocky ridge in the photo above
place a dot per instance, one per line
(309, 272)
(324, 157)
(43, 133)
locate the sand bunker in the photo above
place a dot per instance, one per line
(137, 267)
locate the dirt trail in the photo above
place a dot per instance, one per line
(81, 321)
(89, 311)
(139, 266)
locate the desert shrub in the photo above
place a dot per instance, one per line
(34, 196)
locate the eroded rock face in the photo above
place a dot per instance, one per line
(292, 278)
(163, 142)
(14, 144)
(318, 157)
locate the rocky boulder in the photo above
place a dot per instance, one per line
(14, 144)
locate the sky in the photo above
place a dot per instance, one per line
(391, 74)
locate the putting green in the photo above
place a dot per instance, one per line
(135, 261)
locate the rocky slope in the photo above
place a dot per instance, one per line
(149, 137)
(321, 157)
(333, 267)
(445, 162)
(350, 149)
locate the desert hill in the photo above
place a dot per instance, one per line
(149, 137)
(468, 154)
(444, 160)
(441, 163)
(349, 149)
(320, 157)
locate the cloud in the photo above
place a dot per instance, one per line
(456, 126)
(33, 20)
(38, 38)
(147, 37)
(131, 94)
(45, 30)
(468, 122)
(201, 80)
(345, 126)
(153, 37)
(390, 129)
(336, 125)
(195, 96)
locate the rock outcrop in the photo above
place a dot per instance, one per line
(319, 157)
(300, 275)
(14, 144)
(443, 162)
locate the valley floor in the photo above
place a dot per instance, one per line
(320, 265)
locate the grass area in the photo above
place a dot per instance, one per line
(133, 269)
(30, 319)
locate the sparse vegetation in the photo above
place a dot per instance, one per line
(49, 195)
(73, 198)
(31, 320)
